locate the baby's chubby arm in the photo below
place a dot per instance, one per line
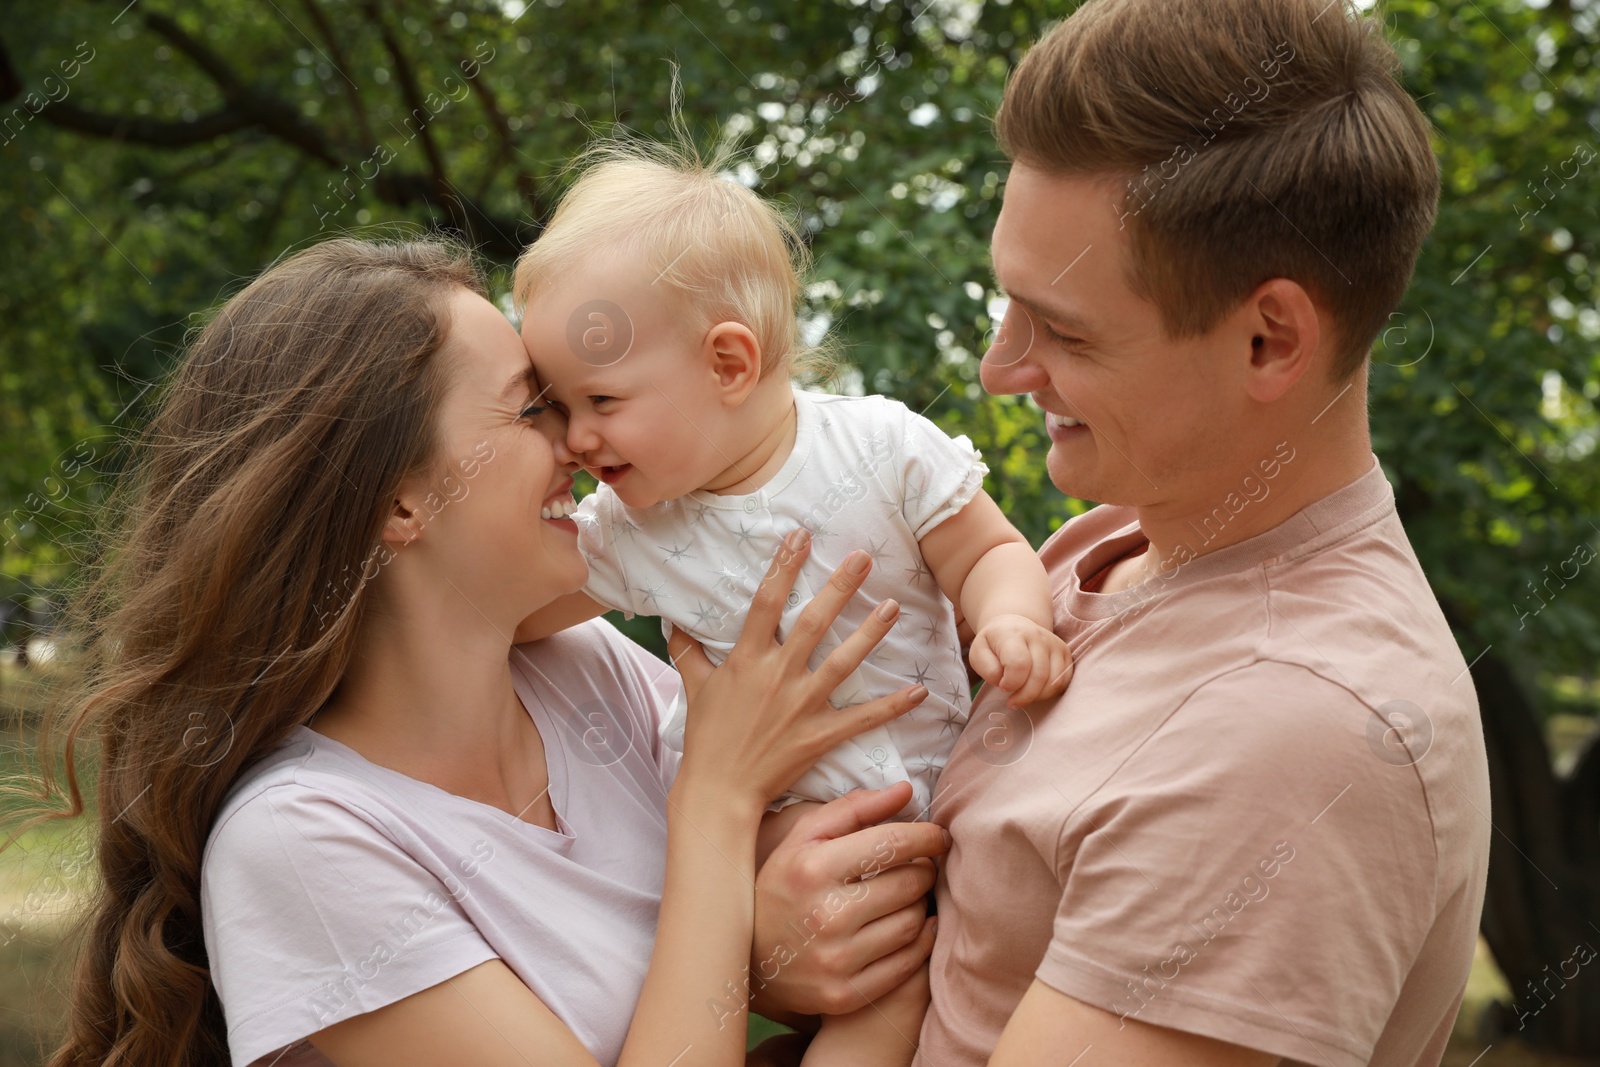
(988, 569)
(560, 613)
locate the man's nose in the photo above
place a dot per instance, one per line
(1008, 366)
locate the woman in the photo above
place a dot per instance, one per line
(341, 817)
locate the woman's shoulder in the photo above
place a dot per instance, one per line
(304, 787)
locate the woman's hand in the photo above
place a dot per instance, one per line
(757, 722)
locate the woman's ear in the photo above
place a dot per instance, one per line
(734, 356)
(1286, 336)
(406, 519)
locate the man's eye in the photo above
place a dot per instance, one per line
(1063, 339)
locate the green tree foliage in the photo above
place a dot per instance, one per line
(156, 155)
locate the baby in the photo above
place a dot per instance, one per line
(660, 313)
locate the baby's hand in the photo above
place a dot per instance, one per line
(1023, 658)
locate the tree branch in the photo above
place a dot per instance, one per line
(506, 156)
(245, 108)
(10, 80)
(158, 133)
(341, 62)
(413, 98)
(279, 117)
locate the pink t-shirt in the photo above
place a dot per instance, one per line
(1259, 812)
(332, 886)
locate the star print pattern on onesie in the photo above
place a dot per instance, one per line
(865, 472)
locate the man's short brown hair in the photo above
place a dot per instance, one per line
(1259, 139)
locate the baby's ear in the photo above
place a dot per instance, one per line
(735, 357)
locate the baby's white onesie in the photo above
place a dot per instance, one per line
(865, 473)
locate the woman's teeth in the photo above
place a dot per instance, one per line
(561, 509)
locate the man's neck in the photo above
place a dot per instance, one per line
(1263, 493)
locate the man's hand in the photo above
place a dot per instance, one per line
(840, 917)
(1025, 659)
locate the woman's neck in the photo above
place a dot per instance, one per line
(428, 693)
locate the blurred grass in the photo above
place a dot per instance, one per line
(37, 900)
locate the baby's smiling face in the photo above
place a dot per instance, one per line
(622, 357)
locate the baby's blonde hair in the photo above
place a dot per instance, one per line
(736, 255)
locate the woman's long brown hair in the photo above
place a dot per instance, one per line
(223, 612)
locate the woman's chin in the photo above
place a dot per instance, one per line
(578, 569)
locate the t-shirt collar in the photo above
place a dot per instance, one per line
(1318, 524)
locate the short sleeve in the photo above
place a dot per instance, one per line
(312, 915)
(657, 691)
(1252, 873)
(666, 686)
(940, 474)
(597, 517)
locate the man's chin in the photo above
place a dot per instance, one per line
(1072, 479)
(1083, 483)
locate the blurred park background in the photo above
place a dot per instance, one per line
(155, 154)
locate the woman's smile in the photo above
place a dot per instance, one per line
(559, 507)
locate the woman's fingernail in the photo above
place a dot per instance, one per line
(948, 840)
(888, 610)
(918, 694)
(857, 562)
(797, 539)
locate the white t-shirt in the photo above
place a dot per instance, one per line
(331, 886)
(864, 473)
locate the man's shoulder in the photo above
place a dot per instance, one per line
(1361, 612)
(1271, 711)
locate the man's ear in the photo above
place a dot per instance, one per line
(734, 356)
(1286, 337)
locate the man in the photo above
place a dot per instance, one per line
(1254, 829)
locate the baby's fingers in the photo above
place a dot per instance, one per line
(1038, 666)
(1060, 672)
(983, 661)
(1016, 662)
